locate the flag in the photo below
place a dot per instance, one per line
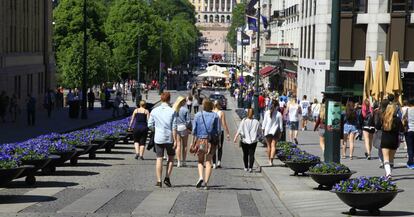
(264, 20)
(251, 22)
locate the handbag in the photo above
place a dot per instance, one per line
(181, 127)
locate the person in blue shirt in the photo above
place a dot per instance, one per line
(205, 140)
(163, 120)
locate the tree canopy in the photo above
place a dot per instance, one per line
(238, 20)
(114, 28)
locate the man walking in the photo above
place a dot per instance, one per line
(91, 99)
(48, 102)
(163, 121)
(31, 109)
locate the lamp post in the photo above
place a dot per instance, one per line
(138, 95)
(256, 83)
(84, 113)
(240, 102)
(333, 92)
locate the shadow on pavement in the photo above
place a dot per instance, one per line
(73, 173)
(41, 184)
(91, 164)
(103, 158)
(383, 213)
(116, 152)
(219, 187)
(12, 199)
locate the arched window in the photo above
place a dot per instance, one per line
(205, 18)
(222, 19)
(211, 18)
(217, 19)
(199, 17)
(228, 18)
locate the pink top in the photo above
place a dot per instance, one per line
(365, 111)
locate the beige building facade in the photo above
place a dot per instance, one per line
(26, 57)
(213, 20)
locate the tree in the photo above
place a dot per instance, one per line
(238, 20)
(68, 38)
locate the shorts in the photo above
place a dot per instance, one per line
(321, 132)
(315, 117)
(183, 133)
(293, 125)
(159, 149)
(348, 129)
(305, 117)
(140, 136)
(370, 130)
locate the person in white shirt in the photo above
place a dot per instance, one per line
(315, 109)
(292, 112)
(272, 127)
(305, 106)
(250, 131)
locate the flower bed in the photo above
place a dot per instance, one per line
(328, 174)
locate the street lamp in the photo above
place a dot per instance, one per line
(333, 91)
(256, 83)
(138, 95)
(84, 113)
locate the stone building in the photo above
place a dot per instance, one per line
(213, 20)
(26, 58)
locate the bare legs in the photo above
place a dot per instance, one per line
(139, 150)
(204, 173)
(181, 150)
(350, 139)
(322, 143)
(271, 149)
(368, 142)
(388, 158)
(169, 167)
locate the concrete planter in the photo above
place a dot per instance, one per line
(7, 175)
(328, 180)
(300, 167)
(29, 173)
(371, 201)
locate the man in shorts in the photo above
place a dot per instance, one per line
(305, 106)
(163, 121)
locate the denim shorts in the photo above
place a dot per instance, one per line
(349, 128)
(293, 125)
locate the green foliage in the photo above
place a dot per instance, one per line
(238, 20)
(330, 168)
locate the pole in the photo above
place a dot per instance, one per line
(333, 92)
(241, 71)
(138, 95)
(160, 70)
(84, 113)
(256, 84)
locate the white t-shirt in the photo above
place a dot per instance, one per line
(316, 107)
(304, 104)
(293, 112)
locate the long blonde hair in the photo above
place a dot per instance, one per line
(322, 113)
(178, 103)
(388, 117)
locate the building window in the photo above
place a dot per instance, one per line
(301, 42)
(358, 6)
(313, 41)
(309, 41)
(18, 86)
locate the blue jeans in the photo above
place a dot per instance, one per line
(409, 139)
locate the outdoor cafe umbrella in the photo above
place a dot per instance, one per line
(394, 83)
(213, 74)
(378, 88)
(367, 78)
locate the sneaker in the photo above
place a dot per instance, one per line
(205, 186)
(245, 169)
(219, 164)
(178, 164)
(369, 158)
(136, 156)
(183, 164)
(167, 182)
(388, 177)
(199, 183)
(296, 141)
(250, 170)
(142, 158)
(159, 184)
(412, 167)
(214, 166)
(366, 155)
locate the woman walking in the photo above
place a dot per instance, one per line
(378, 113)
(320, 125)
(139, 125)
(391, 128)
(222, 127)
(293, 110)
(315, 109)
(272, 127)
(205, 141)
(368, 128)
(183, 125)
(195, 104)
(189, 103)
(250, 132)
(409, 134)
(350, 129)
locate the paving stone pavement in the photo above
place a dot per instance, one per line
(115, 184)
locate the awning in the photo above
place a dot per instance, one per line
(268, 70)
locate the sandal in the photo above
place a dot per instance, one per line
(351, 157)
(343, 157)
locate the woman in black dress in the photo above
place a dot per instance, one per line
(391, 128)
(139, 121)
